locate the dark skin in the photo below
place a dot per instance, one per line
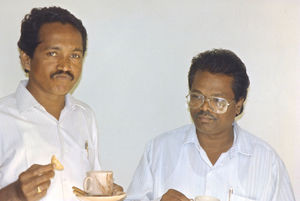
(53, 71)
(60, 50)
(214, 131)
(25, 188)
(174, 195)
(56, 65)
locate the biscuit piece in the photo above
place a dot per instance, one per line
(56, 164)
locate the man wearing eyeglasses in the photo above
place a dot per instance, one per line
(214, 156)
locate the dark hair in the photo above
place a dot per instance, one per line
(32, 23)
(224, 62)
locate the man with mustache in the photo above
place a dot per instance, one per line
(214, 156)
(41, 119)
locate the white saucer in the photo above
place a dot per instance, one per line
(103, 198)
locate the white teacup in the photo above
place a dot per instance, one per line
(206, 198)
(98, 183)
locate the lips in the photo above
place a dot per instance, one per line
(62, 75)
(204, 118)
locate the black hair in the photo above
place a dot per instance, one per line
(224, 62)
(33, 21)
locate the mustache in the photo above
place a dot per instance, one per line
(205, 114)
(61, 72)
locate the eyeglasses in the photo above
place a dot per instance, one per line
(217, 104)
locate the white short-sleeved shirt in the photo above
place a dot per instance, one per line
(30, 135)
(175, 160)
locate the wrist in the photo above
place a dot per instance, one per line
(12, 192)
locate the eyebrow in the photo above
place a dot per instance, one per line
(52, 48)
(197, 91)
(215, 95)
(219, 95)
(78, 50)
(58, 48)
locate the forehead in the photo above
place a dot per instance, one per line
(213, 84)
(57, 32)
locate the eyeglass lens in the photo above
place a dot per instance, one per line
(218, 105)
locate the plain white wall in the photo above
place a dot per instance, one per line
(139, 52)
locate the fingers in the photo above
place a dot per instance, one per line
(37, 170)
(35, 176)
(174, 195)
(35, 181)
(36, 192)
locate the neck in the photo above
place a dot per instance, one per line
(53, 104)
(215, 144)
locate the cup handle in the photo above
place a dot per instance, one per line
(87, 184)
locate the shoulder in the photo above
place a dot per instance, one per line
(169, 143)
(173, 136)
(265, 165)
(255, 141)
(8, 102)
(9, 113)
(79, 105)
(256, 146)
(81, 109)
(166, 148)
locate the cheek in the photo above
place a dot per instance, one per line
(44, 66)
(193, 113)
(228, 117)
(77, 70)
(38, 71)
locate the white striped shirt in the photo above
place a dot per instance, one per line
(30, 135)
(175, 160)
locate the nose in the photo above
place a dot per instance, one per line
(64, 64)
(206, 106)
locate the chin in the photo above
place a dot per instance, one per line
(205, 128)
(61, 91)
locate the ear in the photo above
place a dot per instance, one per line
(25, 61)
(238, 106)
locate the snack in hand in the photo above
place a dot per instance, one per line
(56, 164)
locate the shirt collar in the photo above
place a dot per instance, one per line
(191, 136)
(25, 100)
(240, 144)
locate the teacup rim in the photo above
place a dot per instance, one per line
(98, 171)
(206, 196)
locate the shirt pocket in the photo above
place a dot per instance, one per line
(77, 155)
(239, 198)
